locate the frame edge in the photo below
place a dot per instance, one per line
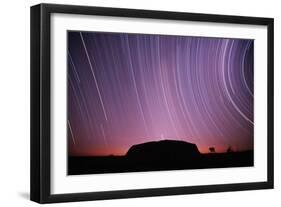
(35, 25)
(40, 100)
(270, 102)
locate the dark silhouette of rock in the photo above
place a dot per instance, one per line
(163, 151)
(159, 155)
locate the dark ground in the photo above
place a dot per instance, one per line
(118, 164)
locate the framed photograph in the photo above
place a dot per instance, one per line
(133, 103)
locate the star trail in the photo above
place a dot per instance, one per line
(125, 89)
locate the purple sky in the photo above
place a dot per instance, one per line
(125, 89)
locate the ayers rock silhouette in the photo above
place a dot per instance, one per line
(168, 150)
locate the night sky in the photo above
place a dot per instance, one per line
(126, 89)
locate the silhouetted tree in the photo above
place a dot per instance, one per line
(229, 149)
(212, 149)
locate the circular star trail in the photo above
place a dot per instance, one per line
(125, 89)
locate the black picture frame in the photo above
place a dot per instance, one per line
(40, 102)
